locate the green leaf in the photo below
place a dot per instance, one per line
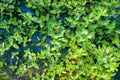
(35, 65)
(15, 46)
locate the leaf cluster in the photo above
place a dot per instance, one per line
(59, 39)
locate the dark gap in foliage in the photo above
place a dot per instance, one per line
(12, 29)
(112, 19)
(103, 17)
(66, 27)
(64, 51)
(118, 21)
(87, 13)
(24, 8)
(79, 46)
(96, 41)
(56, 77)
(21, 78)
(83, 76)
(117, 76)
(11, 74)
(99, 0)
(34, 13)
(1, 41)
(33, 47)
(73, 30)
(8, 55)
(42, 11)
(41, 64)
(63, 16)
(51, 8)
(52, 1)
(16, 14)
(95, 60)
(38, 28)
(11, 62)
(4, 34)
(95, 22)
(6, 17)
(1, 17)
(2, 31)
(36, 49)
(47, 11)
(7, 12)
(104, 36)
(74, 72)
(36, 37)
(48, 39)
(87, 4)
(37, 25)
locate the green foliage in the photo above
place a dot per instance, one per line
(59, 39)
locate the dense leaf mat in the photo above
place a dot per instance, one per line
(59, 39)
